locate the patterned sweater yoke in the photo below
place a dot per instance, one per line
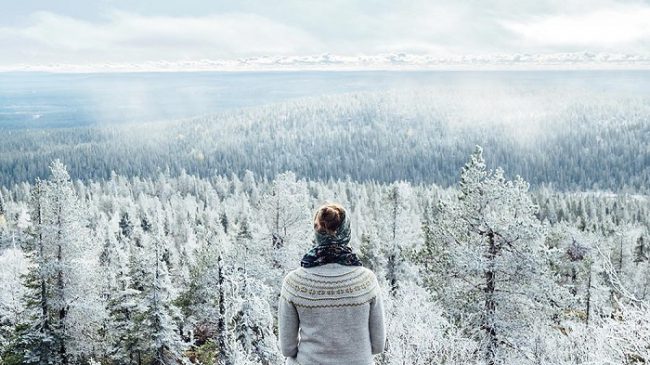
(323, 287)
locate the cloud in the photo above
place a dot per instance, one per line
(125, 36)
(232, 34)
(622, 27)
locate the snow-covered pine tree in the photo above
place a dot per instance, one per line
(203, 302)
(3, 212)
(221, 333)
(160, 316)
(72, 266)
(641, 250)
(284, 209)
(249, 187)
(144, 317)
(366, 231)
(108, 231)
(59, 293)
(576, 268)
(14, 265)
(122, 259)
(34, 337)
(251, 318)
(434, 255)
(498, 277)
(399, 233)
(370, 251)
(126, 340)
(126, 226)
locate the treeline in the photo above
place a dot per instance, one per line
(186, 269)
(419, 136)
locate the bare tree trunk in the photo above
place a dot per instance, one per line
(620, 255)
(392, 258)
(221, 321)
(490, 303)
(61, 285)
(588, 304)
(41, 253)
(574, 279)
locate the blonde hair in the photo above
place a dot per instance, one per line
(328, 218)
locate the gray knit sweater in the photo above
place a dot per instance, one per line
(331, 315)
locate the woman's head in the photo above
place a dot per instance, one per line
(328, 218)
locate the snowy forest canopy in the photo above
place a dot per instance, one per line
(419, 135)
(165, 243)
(186, 269)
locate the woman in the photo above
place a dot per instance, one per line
(330, 310)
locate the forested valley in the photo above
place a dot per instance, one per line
(419, 135)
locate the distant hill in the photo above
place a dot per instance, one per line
(581, 141)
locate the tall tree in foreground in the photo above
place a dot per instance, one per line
(13, 266)
(34, 336)
(124, 307)
(59, 299)
(203, 302)
(160, 317)
(251, 317)
(495, 261)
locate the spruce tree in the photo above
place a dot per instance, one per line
(641, 250)
(160, 316)
(54, 284)
(251, 319)
(3, 213)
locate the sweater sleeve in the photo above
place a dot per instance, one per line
(288, 323)
(377, 328)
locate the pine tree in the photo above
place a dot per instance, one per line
(435, 254)
(370, 252)
(47, 340)
(203, 302)
(251, 321)
(400, 234)
(284, 211)
(125, 309)
(34, 336)
(224, 221)
(160, 316)
(126, 226)
(60, 286)
(3, 213)
(641, 250)
(497, 268)
(13, 266)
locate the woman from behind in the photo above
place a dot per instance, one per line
(330, 309)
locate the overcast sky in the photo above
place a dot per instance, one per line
(127, 31)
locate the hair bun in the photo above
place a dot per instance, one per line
(328, 218)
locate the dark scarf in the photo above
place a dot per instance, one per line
(332, 248)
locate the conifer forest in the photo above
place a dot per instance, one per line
(504, 229)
